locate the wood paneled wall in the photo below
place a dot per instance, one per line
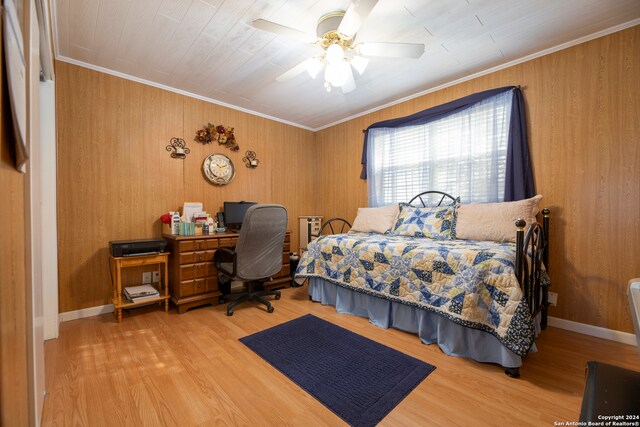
(583, 112)
(116, 178)
(14, 403)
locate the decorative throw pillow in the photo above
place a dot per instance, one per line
(494, 221)
(375, 220)
(437, 222)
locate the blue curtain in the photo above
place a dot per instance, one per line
(519, 175)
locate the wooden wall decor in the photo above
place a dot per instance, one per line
(583, 118)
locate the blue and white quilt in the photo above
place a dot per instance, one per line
(472, 283)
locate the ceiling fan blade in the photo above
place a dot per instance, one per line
(355, 16)
(350, 84)
(272, 27)
(293, 72)
(391, 50)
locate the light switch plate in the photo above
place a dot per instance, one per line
(553, 298)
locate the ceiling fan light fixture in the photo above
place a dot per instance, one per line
(336, 35)
(359, 63)
(335, 54)
(336, 73)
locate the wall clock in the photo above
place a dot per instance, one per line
(218, 169)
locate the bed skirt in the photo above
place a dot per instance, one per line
(453, 339)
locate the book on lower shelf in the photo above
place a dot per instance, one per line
(140, 293)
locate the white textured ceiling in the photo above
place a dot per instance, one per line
(209, 49)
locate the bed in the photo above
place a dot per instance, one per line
(480, 299)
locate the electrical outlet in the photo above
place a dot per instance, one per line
(146, 277)
(553, 298)
(156, 276)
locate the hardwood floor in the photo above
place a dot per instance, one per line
(162, 369)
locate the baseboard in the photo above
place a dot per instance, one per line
(86, 312)
(594, 331)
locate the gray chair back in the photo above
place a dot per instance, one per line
(259, 247)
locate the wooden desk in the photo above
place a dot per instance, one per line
(118, 263)
(194, 276)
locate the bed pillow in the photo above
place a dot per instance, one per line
(375, 220)
(494, 221)
(437, 222)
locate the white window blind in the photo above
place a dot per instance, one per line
(463, 154)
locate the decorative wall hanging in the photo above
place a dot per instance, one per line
(178, 148)
(220, 134)
(250, 159)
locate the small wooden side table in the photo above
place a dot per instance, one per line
(118, 263)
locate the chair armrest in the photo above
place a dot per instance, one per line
(225, 254)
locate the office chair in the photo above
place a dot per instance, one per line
(257, 255)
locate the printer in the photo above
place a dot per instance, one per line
(120, 248)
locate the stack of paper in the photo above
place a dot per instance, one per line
(140, 293)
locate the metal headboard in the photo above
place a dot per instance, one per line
(426, 198)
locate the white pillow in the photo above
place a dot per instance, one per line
(494, 221)
(375, 220)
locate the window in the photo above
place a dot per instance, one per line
(463, 154)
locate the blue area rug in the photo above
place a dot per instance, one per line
(358, 379)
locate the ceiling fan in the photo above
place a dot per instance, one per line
(336, 35)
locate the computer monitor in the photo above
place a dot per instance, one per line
(234, 213)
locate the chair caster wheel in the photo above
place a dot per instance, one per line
(229, 313)
(277, 296)
(270, 309)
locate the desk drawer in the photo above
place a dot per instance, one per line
(228, 242)
(186, 258)
(201, 270)
(199, 286)
(212, 284)
(186, 246)
(186, 289)
(212, 270)
(200, 256)
(187, 272)
(205, 256)
(202, 245)
(197, 245)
